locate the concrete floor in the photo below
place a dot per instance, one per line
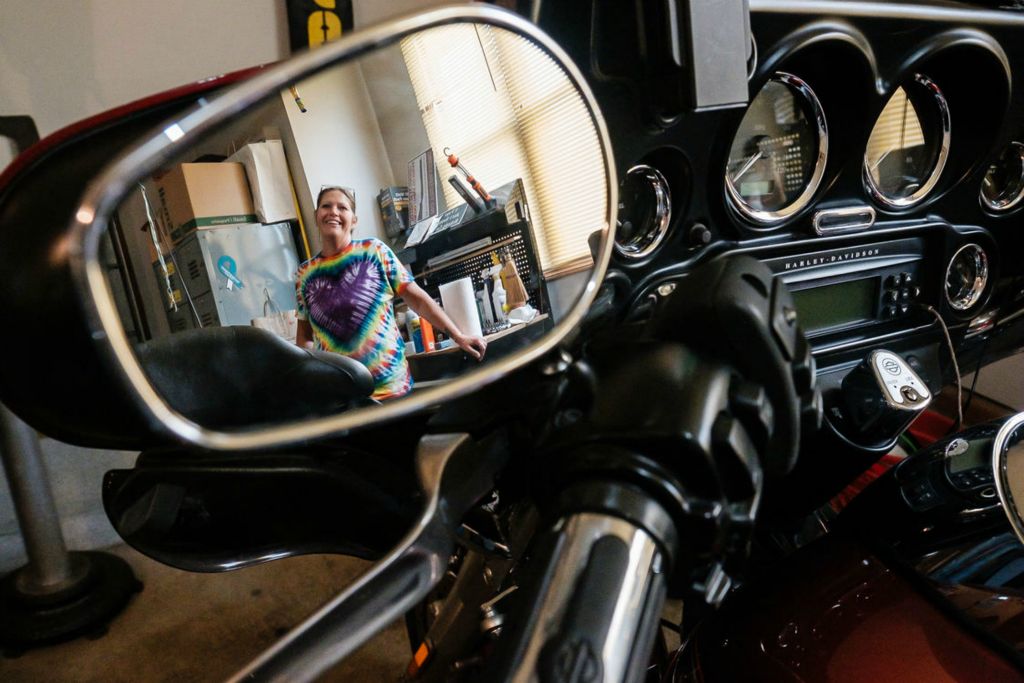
(186, 627)
(194, 628)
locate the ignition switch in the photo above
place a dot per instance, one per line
(883, 395)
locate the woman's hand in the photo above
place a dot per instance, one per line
(474, 346)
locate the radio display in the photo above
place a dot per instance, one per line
(836, 305)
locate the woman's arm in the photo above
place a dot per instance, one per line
(425, 307)
(304, 335)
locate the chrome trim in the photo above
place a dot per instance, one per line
(752, 58)
(978, 288)
(103, 194)
(940, 162)
(772, 218)
(649, 239)
(910, 406)
(580, 533)
(820, 217)
(999, 207)
(1001, 477)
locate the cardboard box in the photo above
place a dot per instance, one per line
(266, 169)
(194, 196)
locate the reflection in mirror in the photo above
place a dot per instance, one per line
(365, 234)
(1008, 462)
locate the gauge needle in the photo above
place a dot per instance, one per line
(880, 159)
(746, 166)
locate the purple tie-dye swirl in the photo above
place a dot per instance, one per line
(347, 300)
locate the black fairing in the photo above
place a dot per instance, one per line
(71, 396)
(208, 512)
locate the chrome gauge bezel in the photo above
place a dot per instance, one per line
(926, 188)
(1001, 207)
(650, 236)
(973, 296)
(774, 218)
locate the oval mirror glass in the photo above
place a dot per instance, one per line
(370, 228)
(1008, 465)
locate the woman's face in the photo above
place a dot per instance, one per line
(335, 219)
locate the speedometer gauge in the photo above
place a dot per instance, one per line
(908, 146)
(778, 156)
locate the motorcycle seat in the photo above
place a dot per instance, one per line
(239, 376)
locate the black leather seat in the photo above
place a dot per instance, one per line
(223, 377)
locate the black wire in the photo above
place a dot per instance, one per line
(956, 370)
(977, 371)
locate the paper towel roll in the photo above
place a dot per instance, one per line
(459, 302)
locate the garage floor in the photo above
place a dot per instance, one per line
(186, 627)
(194, 628)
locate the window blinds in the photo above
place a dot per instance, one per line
(509, 112)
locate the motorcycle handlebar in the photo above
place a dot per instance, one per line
(593, 609)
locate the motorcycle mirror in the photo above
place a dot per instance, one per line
(214, 214)
(1008, 467)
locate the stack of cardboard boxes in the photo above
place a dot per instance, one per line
(230, 264)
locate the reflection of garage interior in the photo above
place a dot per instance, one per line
(215, 238)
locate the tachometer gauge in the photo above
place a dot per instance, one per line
(778, 156)
(1003, 186)
(908, 146)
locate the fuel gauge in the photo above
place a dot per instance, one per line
(1003, 186)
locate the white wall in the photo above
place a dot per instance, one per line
(394, 101)
(64, 60)
(338, 142)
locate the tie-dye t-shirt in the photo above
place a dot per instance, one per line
(347, 300)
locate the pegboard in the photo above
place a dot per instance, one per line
(517, 239)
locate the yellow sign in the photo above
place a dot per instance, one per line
(324, 26)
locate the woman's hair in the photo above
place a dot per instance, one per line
(348, 192)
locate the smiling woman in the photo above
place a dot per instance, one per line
(345, 298)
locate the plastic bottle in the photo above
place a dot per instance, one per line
(498, 296)
(515, 291)
(427, 334)
(488, 297)
(415, 331)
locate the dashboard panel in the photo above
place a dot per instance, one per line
(877, 167)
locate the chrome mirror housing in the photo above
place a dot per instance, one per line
(1008, 468)
(356, 113)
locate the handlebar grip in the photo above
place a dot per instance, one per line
(592, 611)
